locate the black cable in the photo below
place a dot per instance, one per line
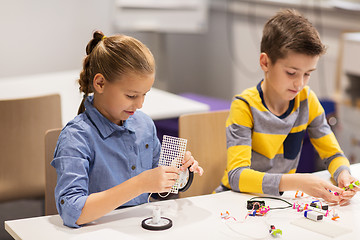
(274, 198)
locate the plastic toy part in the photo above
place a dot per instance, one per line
(315, 216)
(185, 179)
(263, 210)
(335, 193)
(156, 222)
(315, 209)
(299, 194)
(352, 185)
(299, 207)
(226, 216)
(172, 153)
(275, 232)
(255, 204)
(319, 205)
(259, 212)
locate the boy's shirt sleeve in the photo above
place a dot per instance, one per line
(238, 175)
(71, 160)
(324, 140)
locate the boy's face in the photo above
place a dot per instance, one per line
(289, 75)
(118, 100)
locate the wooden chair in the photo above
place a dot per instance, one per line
(206, 137)
(51, 137)
(22, 128)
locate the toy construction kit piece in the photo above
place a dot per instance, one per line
(254, 204)
(315, 209)
(172, 153)
(275, 232)
(335, 216)
(315, 216)
(260, 211)
(299, 194)
(226, 216)
(156, 222)
(317, 206)
(335, 193)
(352, 185)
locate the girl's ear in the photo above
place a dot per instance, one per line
(99, 83)
(264, 62)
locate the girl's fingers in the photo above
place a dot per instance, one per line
(200, 171)
(188, 163)
(171, 169)
(347, 194)
(195, 166)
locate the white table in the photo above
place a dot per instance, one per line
(158, 104)
(193, 218)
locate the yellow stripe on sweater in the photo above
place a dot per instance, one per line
(251, 181)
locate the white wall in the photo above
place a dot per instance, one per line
(48, 35)
(207, 64)
(329, 21)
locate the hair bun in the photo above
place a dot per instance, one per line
(97, 37)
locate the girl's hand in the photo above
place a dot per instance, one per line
(344, 180)
(190, 161)
(159, 179)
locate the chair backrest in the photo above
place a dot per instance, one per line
(51, 137)
(206, 137)
(22, 129)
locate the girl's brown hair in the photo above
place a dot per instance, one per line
(113, 57)
(289, 30)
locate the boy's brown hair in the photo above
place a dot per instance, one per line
(288, 31)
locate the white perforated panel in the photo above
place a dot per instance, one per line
(172, 153)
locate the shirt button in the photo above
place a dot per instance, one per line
(133, 167)
(62, 201)
(147, 146)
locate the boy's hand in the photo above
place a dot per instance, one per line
(317, 187)
(344, 180)
(190, 161)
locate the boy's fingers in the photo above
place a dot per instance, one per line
(347, 194)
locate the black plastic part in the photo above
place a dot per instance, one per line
(250, 204)
(190, 180)
(156, 228)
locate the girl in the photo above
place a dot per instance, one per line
(107, 156)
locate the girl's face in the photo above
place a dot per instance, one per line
(120, 99)
(288, 76)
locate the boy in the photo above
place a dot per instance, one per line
(266, 124)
